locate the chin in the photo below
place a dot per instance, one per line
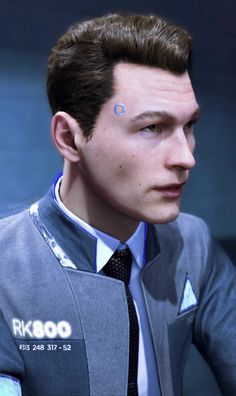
(166, 219)
(163, 215)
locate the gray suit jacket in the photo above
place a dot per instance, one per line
(39, 297)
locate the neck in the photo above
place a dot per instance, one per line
(92, 209)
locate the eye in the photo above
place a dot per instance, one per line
(154, 128)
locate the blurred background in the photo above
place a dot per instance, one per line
(28, 160)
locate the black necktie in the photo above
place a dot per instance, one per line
(119, 267)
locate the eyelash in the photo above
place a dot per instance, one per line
(157, 128)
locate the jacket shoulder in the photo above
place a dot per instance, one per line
(187, 227)
(19, 236)
(189, 224)
(188, 239)
(15, 225)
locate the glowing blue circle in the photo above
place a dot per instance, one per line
(119, 109)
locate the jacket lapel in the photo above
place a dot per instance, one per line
(158, 284)
(102, 306)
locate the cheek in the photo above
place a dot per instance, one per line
(105, 167)
(112, 161)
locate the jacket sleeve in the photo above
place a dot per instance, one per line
(11, 363)
(215, 323)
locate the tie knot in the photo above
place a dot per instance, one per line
(119, 265)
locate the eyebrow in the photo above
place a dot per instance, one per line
(164, 115)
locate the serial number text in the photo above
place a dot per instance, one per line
(44, 347)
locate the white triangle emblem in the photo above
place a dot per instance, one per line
(189, 299)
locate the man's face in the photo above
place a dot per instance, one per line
(138, 162)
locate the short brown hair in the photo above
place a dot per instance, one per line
(80, 67)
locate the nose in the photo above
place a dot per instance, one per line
(181, 152)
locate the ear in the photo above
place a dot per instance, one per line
(67, 135)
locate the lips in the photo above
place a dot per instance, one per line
(172, 190)
(172, 186)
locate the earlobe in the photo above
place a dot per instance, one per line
(66, 135)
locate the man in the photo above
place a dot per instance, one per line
(103, 285)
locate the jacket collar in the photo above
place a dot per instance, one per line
(78, 244)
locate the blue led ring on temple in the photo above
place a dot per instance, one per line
(120, 109)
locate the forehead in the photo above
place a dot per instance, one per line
(144, 88)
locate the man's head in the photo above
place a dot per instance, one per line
(124, 112)
(80, 69)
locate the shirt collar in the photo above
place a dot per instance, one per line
(106, 244)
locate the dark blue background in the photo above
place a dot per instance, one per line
(28, 160)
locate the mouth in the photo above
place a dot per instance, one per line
(172, 190)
